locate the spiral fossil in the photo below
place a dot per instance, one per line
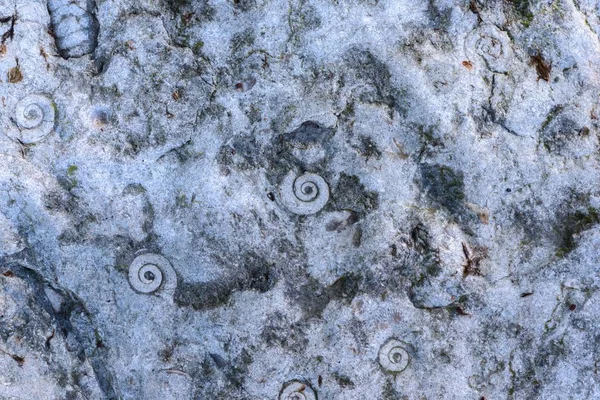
(296, 390)
(393, 356)
(150, 272)
(492, 45)
(34, 117)
(75, 26)
(305, 194)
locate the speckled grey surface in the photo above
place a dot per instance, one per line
(265, 199)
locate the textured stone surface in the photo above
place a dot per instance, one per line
(391, 199)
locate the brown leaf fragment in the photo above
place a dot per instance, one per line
(542, 67)
(15, 75)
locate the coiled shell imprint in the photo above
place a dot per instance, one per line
(393, 356)
(304, 195)
(295, 390)
(491, 44)
(34, 115)
(149, 272)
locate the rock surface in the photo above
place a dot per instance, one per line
(263, 199)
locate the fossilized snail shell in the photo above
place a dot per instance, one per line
(34, 115)
(150, 272)
(393, 356)
(492, 45)
(75, 26)
(296, 390)
(305, 194)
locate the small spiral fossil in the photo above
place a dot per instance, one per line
(34, 116)
(149, 272)
(296, 390)
(305, 194)
(75, 26)
(393, 356)
(491, 44)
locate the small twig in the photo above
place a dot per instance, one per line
(176, 372)
(20, 360)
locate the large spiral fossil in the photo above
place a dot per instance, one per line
(75, 26)
(393, 356)
(150, 272)
(34, 116)
(305, 194)
(492, 45)
(296, 390)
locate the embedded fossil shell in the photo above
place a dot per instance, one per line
(393, 356)
(492, 45)
(34, 116)
(149, 272)
(296, 390)
(100, 117)
(75, 26)
(305, 194)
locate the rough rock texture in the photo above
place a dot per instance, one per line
(454, 255)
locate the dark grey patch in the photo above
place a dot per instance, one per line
(134, 189)
(73, 322)
(561, 228)
(259, 275)
(137, 142)
(309, 133)
(357, 328)
(368, 148)
(343, 381)
(421, 239)
(244, 5)
(218, 360)
(302, 19)
(313, 297)
(279, 332)
(213, 111)
(571, 225)
(60, 201)
(177, 5)
(243, 153)
(421, 267)
(366, 67)
(280, 152)
(445, 187)
(389, 390)
(350, 194)
(204, 295)
(230, 375)
(256, 274)
(337, 225)
(345, 288)
(440, 17)
(558, 132)
(242, 40)
(71, 395)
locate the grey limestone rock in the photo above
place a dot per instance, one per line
(269, 199)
